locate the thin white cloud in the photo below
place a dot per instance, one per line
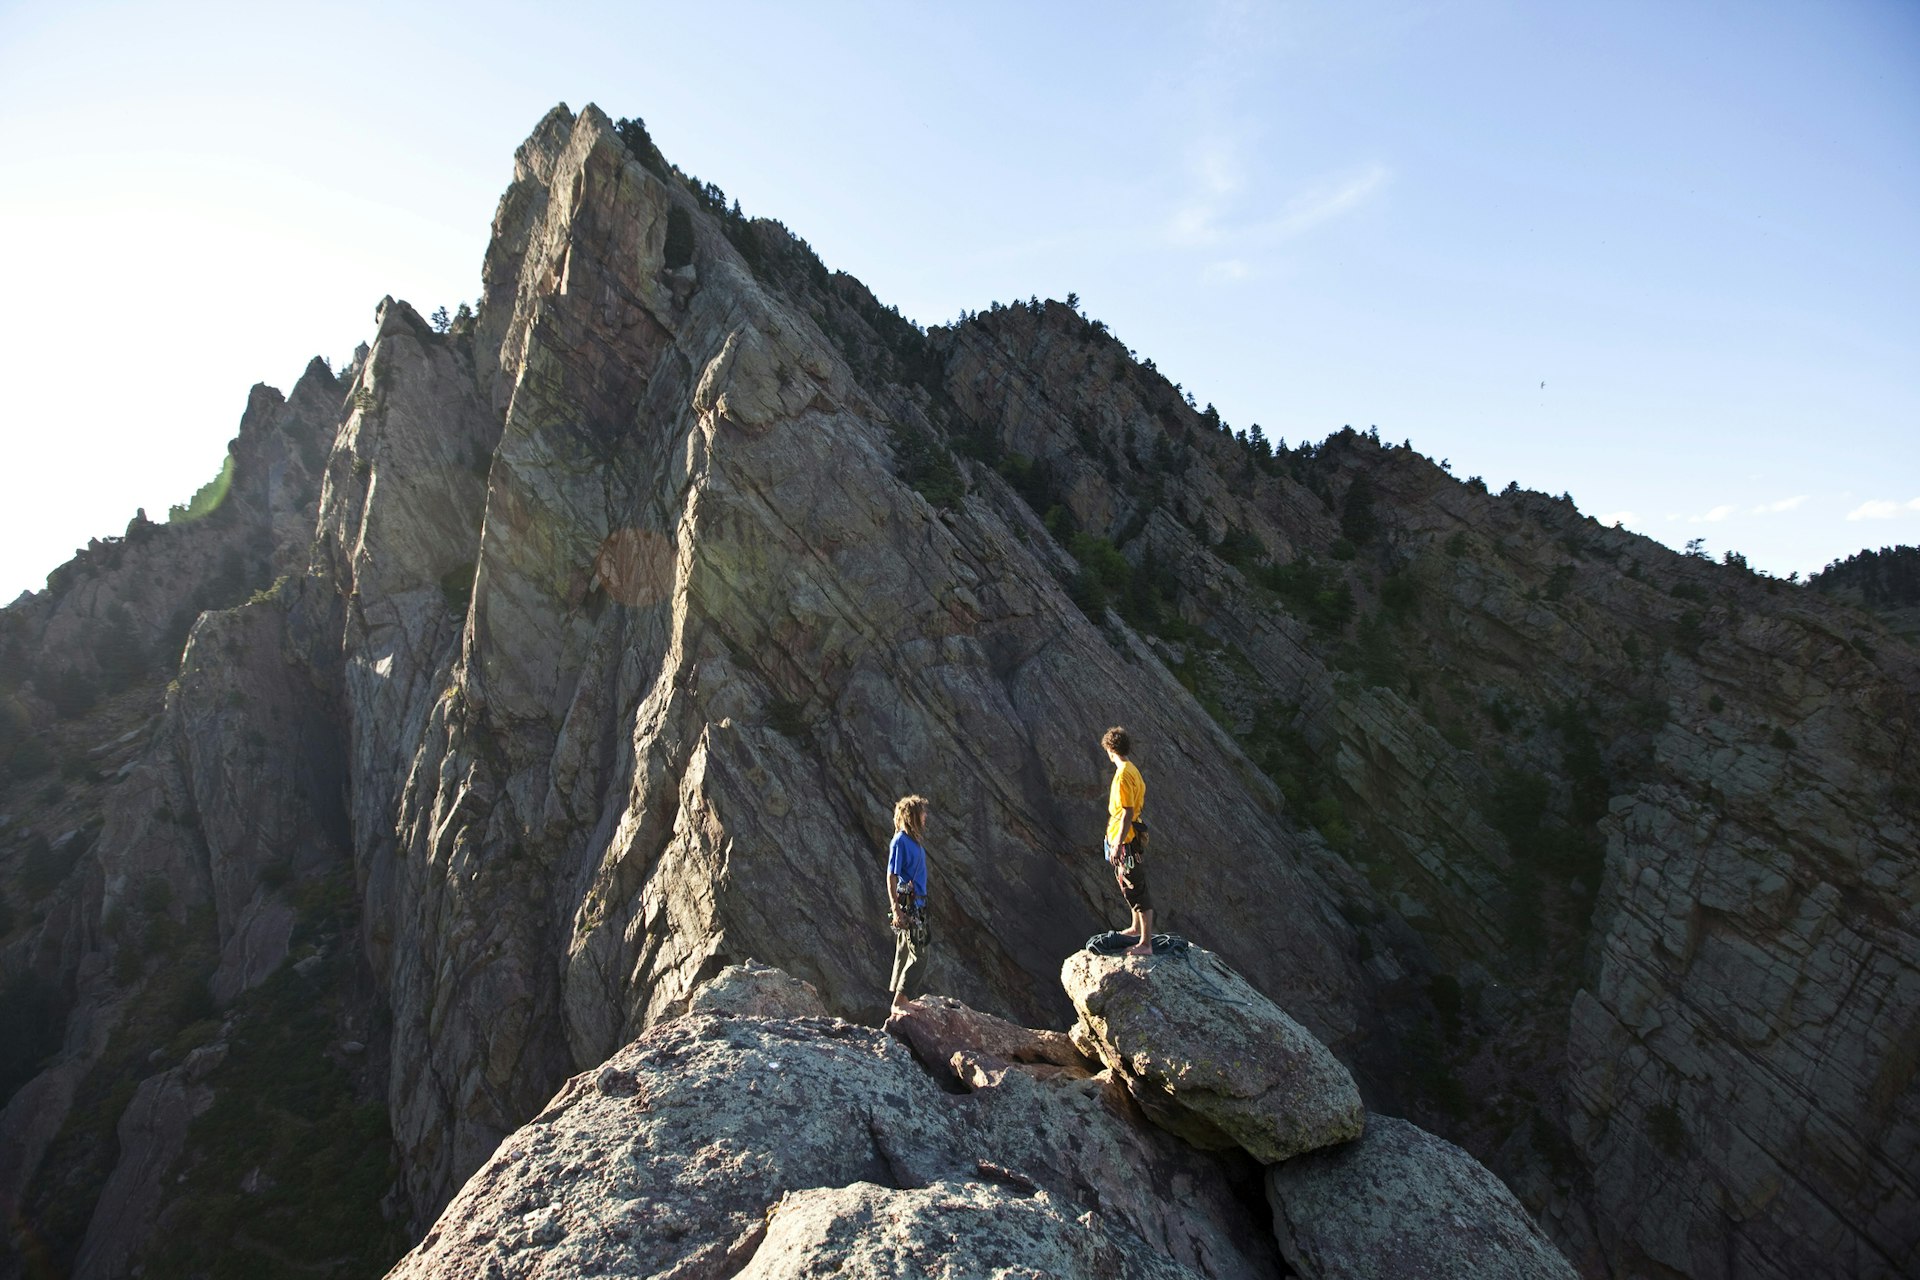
(1218, 178)
(1785, 504)
(1218, 174)
(1326, 202)
(1229, 269)
(1617, 517)
(1882, 509)
(1218, 165)
(1714, 516)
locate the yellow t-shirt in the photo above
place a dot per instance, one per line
(1129, 791)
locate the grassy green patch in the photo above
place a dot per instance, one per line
(1400, 594)
(1377, 653)
(1146, 595)
(207, 498)
(1689, 591)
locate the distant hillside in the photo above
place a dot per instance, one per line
(1887, 580)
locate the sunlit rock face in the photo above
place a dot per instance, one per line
(1209, 1057)
(767, 1142)
(710, 637)
(579, 652)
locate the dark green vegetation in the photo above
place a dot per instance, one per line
(288, 1165)
(287, 1101)
(166, 961)
(1317, 593)
(1277, 742)
(288, 1111)
(1885, 579)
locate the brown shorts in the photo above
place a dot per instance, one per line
(1133, 886)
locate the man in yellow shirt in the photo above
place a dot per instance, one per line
(1125, 842)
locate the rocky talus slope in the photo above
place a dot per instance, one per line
(547, 666)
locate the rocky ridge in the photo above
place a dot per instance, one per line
(773, 1140)
(630, 606)
(686, 1151)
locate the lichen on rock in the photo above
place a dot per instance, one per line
(1209, 1057)
(1401, 1202)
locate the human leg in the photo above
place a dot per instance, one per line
(1134, 886)
(904, 956)
(1143, 930)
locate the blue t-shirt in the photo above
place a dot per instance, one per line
(906, 860)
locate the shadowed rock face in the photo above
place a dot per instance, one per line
(616, 621)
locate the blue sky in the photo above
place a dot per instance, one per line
(1695, 223)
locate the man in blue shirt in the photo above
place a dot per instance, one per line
(907, 890)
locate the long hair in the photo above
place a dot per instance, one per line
(910, 815)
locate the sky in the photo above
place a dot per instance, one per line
(1662, 256)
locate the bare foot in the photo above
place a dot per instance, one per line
(1142, 949)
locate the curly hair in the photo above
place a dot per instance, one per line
(1118, 741)
(910, 815)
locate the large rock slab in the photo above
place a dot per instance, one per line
(754, 990)
(675, 1155)
(1208, 1057)
(978, 1047)
(1402, 1203)
(957, 1230)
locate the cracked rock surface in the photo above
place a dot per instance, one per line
(1209, 1057)
(714, 1143)
(1400, 1202)
(540, 669)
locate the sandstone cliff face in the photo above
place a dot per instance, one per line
(616, 620)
